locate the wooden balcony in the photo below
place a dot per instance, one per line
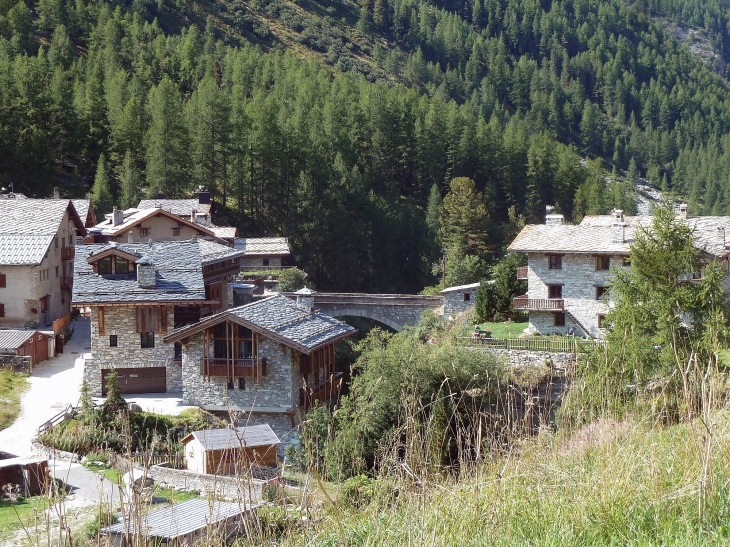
(522, 273)
(67, 282)
(68, 253)
(217, 271)
(324, 392)
(242, 368)
(538, 304)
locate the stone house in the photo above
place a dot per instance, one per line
(135, 294)
(268, 361)
(460, 298)
(261, 253)
(37, 245)
(569, 266)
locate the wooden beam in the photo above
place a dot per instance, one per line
(101, 320)
(163, 311)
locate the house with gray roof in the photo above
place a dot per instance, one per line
(37, 242)
(262, 252)
(569, 266)
(229, 450)
(269, 361)
(135, 294)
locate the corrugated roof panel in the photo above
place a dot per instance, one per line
(13, 339)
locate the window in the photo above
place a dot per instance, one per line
(44, 303)
(56, 271)
(266, 261)
(147, 339)
(559, 319)
(230, 384)
(176, 231)
(55, 242)
(2, 310)
(603, 262)
(600, 292)
(122, 266)
(144, 232)
(242, 383)
(556, 262)
(3, 281)
(467, 296)
(601, 317)
(178, 351)
(104, 266)
(112, 340)
(555, 291)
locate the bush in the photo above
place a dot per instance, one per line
(105, 517)
(357, 491)
(292, 279)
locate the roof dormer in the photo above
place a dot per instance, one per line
(111, 260)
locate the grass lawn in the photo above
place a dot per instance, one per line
(12, 385)
(502, 330)
(175, 496)
(10, 521)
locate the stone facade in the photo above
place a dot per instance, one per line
(459, 299)
(515, 358)
(580, 281)
(16, 363)
(122, 322)
(258, 262)
(243, 489)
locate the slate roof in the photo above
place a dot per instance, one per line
(214, 252)
(224, 232)
(13, 339)
(179, 274)
(278, 317)
(181, 519)
(250, 436)
(82, 206)
(461, 288)
(23, 249)
(134, 216)
(266, 246)
(32, 216)
(179, 207)
(595, 235)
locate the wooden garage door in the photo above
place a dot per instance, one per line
(138, 380)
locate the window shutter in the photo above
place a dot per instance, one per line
(2, 281)
(163, 316)
(2, 310)
(148, 319)
(101, 321)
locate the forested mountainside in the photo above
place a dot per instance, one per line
(342, 125)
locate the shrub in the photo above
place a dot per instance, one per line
(292, 279)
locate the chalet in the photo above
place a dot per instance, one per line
(37, 245)
(136, 293)
(141, 225)
(569, 267)
(261, 253)
(264, 360)
(230, 451)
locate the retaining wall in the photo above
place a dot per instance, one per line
(16, 363)
(236, 488)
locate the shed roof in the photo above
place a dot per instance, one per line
(13, 339)
(181, 519)
(248, 436)
(224, 232)
(277, 317)
(264, 246)
(457, 288)
(178, 272)
(23, 249)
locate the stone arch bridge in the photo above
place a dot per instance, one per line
(394, 310)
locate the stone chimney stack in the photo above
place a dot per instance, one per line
(683, 211)
(193, 216)
(146, 273)
(56, 195)
(130, 237)
(305, 299)
(553, 220)
(117, 216)
(203, 196)
(721, 237)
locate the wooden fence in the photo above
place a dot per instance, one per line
(65, 414)
(61, 324)
(176, 461)
(562, 345)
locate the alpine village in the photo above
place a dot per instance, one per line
(338, 273)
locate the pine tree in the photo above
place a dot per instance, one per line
(129, 182)
(101, 197)
(465, 219)
(433, 213)
(114, 401)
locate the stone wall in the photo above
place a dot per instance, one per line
(258, 262)
(234, 488)
(16, 363)
(579, 279)
(122, 322)
(454, 301)
(514, 357)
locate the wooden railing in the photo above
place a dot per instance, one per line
(242, 368)
(522, 273)
(67, 282)
(66, 413)
(324, 392)
(561, 345)
(538, 304)
(68, 253)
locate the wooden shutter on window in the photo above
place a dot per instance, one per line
(2, 310)
(2, 280)
(101, 321)
(148, 319)
(163, 317)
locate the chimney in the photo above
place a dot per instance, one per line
(146, 273)
(553, 220)
(130, 237)
(203, 196)
(683, 211)
(305, 299)
(56, 195)
(117, 217)
(618, 214)
(619, 231)
(721, 239)
(194, 216)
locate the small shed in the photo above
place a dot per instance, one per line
(30, 475)
(460, 298)
(26, 342)
(194, 521)
(227, 451)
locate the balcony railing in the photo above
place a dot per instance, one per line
(522, 273)
(538, 304)
(324, 392)
(68, 253)
(67, 283)
(242, 368)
